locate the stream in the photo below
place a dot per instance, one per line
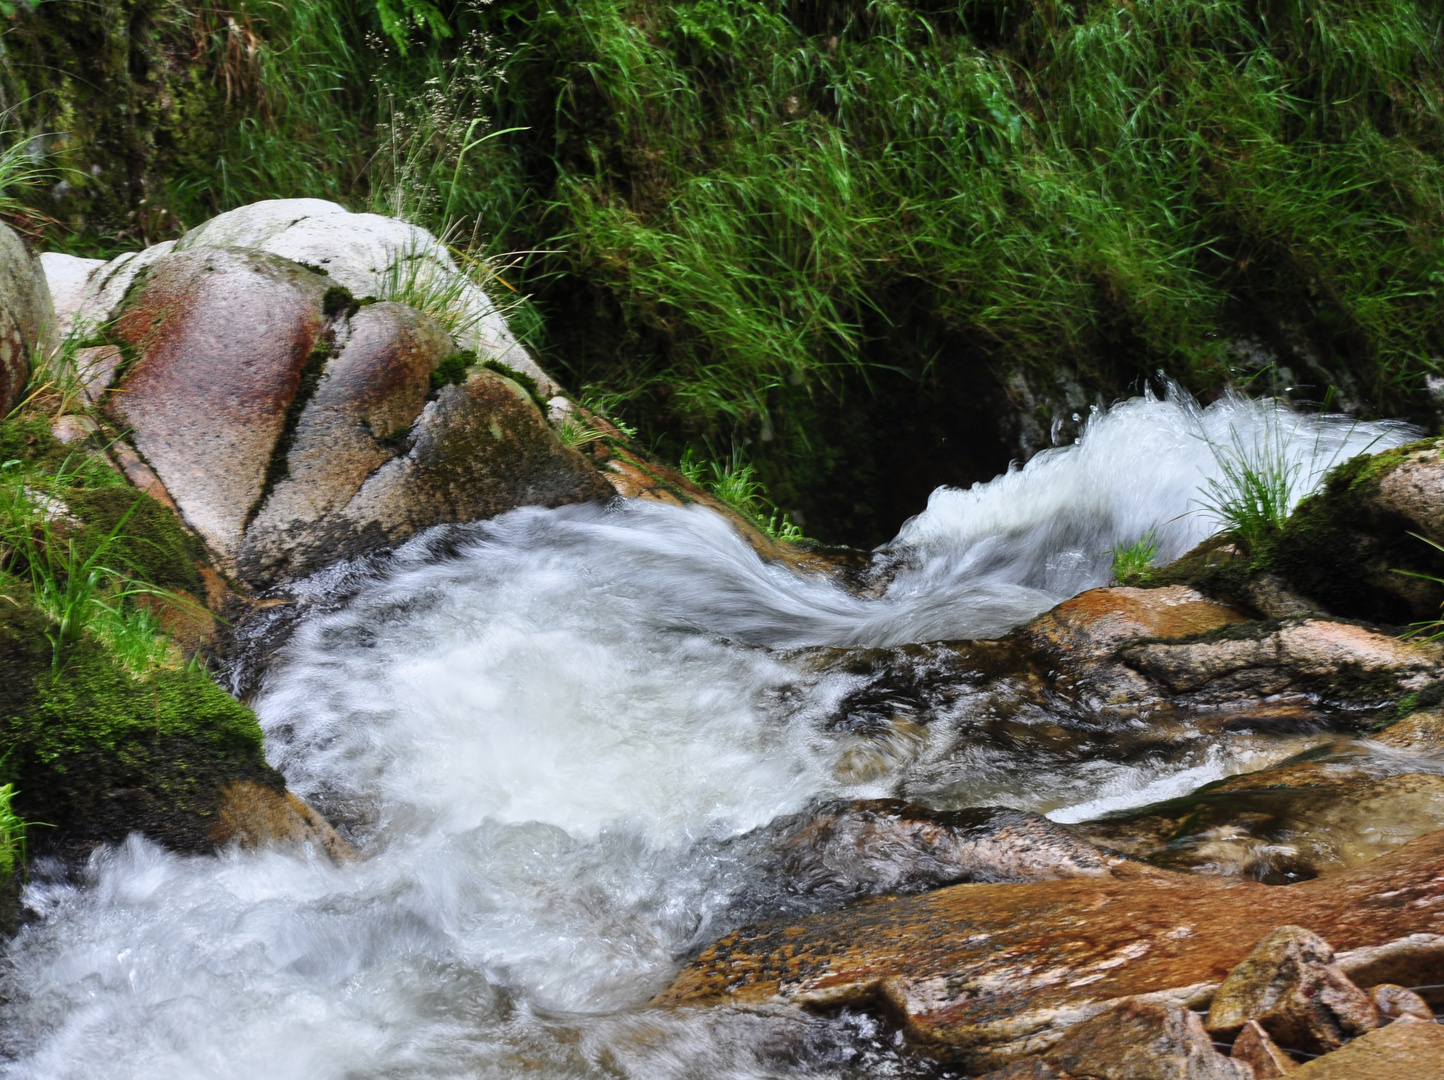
(556, 739)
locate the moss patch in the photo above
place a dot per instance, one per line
(152, 545)
(96, 753)
(452, 369)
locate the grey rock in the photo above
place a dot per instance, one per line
(26, 316)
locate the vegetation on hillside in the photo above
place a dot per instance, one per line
(878, 244)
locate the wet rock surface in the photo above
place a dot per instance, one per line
(1340, 807)
(984, 973)
(836, 853)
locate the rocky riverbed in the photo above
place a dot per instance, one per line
(570, 769)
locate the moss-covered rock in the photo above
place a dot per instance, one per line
(96, 752)
(1355, 545)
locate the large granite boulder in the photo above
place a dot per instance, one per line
(220, 340)
(26, 316)
(372, 255)
(293, 424)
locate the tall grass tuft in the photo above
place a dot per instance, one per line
(1257, 484)
(12, 833)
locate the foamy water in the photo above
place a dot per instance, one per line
(544, 733)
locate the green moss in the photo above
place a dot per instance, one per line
(152, 545)
(1339, 549)
(96, 753)
(521, 378)
(452, 370)
(338, 301)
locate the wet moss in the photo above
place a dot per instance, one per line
(451, 371)
(1339, 548)
(521, 378)
(152, 545)
(96, 753)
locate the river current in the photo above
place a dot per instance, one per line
(550, 736)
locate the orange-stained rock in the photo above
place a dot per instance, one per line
(1395, 1002)
(221, 338)
(1401, 1051)
(254, 815)
(1259, 1052)
(1292, 987)
(1093, 624)
(984, 973)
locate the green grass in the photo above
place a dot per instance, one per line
(1256, 490)
(86, 577)
(12, 834)
(735, 215)
(1130, 560)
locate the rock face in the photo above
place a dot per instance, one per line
(375, 256)
(868, 848)
(1403, 1051)
(1343, 545)
(482, 448)
(1255, 1048)
(26, 316)
(290, 424)
(984, 973)
(221, 338)
(1287, 823)
(1144, 1040)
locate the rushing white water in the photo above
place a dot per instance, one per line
(543, 733)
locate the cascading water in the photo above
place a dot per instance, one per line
(545, 734)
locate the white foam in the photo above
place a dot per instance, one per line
(531, 732)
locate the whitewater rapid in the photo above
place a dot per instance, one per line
(545, 733)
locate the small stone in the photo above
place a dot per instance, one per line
(1292, 987)
(1144, 1040)
(1254, 1048)
(1397, 1002)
